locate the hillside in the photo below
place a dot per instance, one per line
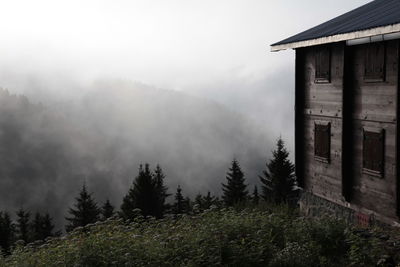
(253, 237)
(49, 149)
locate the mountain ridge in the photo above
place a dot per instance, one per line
(48, 151)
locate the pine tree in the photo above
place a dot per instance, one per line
(255, 198)
(37, 227)
(218, 202)
(179, 205)
(142, 195)
(279, 178)
(85, 211)
(208, 200)
(188, 205)
(107, 210)
(234, 191)
(47, 226)
(42, 226)
(198, 200)
(23, 223)
(127, 206)
(7, 232)
(161, 191)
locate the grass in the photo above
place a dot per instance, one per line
(261, 236)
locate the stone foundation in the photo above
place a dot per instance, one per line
(314, 206)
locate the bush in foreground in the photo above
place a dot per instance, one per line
(253, 237)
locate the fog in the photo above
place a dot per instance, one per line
(49, 150)
(102, 77)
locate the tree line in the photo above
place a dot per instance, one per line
(147, 197)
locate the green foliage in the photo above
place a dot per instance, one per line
(85, 212)
(7, 232)
(22, 225)
(148, 194)
(41, 227)
(107, 210)
(234, 191)
(278, 179)
(209, 200)
(373, 247)
(202, 203)
(255, 199)
(179, 204)
(268, 236)
(161, 191)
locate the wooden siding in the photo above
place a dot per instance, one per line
(323, 104)
(374, 107)
(350, 103)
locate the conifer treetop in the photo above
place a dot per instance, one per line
(85, 210)
(278, 178)
(234, 191)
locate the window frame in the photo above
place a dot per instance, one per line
(371, 54)
(374, 153)
(322, 128)
(323, 53)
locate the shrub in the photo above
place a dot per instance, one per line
(264, 236)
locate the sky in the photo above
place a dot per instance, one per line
(217, 49)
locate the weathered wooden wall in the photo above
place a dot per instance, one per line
(349, 104)
(374, 107)
(322, 104)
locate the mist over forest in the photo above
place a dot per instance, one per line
(212, 92)
(50, 148)
(162, 133)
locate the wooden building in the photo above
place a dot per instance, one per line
(347, 111)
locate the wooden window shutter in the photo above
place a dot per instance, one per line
(374, 69)
(373, 152)
(322, 142)
(323, 64)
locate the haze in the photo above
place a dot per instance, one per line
(216, 49)
(95, 65)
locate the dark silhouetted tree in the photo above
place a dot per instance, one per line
(188, 205)
(179, 204)
(85, 211)
(278, 179)
(234, 191)
(198, 200)
(208, 200)
(161, 191)
(255, 198)
(37, 227)
(22, 225)
(47, 226)
(142, 195)
(218, 202)
(107, 210)
(128, 206)
(205, 202)
(42, 226)
(7, 232)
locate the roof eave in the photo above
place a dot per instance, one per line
(339, 37)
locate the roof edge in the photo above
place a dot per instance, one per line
(338, 37)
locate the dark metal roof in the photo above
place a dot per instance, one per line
(374, 14)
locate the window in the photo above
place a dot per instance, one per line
(374, 70)
(322, 141)
(373, 152)
(323, 64)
